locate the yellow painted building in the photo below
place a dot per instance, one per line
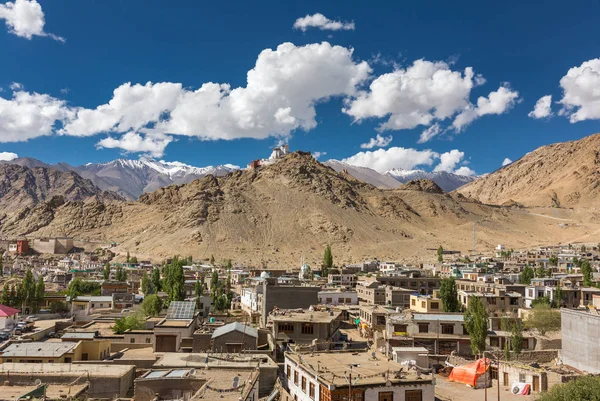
(43, 352)
(425, 304)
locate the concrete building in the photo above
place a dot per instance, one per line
(398, 297)
(286, 297)
(581, 328)
(104, 381)
(234, 337)
(42, 352)
(58, 245)
(415, 355)
(84, 305)
(8, 316)
(337, 297)
(425, 304)
(342, 280)
(92, 347)
(372, 293)
(324, 377)
(413, 280)
(305, 326)
(495, 302)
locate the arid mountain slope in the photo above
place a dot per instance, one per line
(292, 209)
(558, 175)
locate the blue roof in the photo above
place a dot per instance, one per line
(235, 326)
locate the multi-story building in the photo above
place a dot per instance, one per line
(425, 304)
(342, 280)
(412, 280)
(335, 376)
(372, 293)
(338, 297)
(305, 326)
(496, 302)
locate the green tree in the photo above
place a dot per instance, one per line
(476, 322)
(526, 275)
(146, 285)
(559, 296)
(106, 271)
(540, 272)
(156, 279)
(1, 266)
(79, 287)
(515, 327)
(545, 300)
(59, 307)
(13, 296)
(440, 254)
(40, 292)
(449, 295)
(131, 322)
(581, 388)
(583, 248)
(28, 289)
(229, 265)
(212, 260)
(152, 305)
(127, 259)
(327, 260)
(586, 270)
(506, 351)
(198, 293)
(133, 260)
(553, 260)
(214, 284)
(543, 319)
(5, 298)
(228, 283)
(121, 274)
(174, 279)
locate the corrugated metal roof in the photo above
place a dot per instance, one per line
(235, 326)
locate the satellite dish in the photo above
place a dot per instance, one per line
(37, 382)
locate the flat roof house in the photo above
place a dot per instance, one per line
(42, 352)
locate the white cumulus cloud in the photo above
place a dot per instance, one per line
(378, 142)
(449, 160)
(29, 115)
(506, 161)
(497, 102)
(8, 156)
(464, 170)
(323, 23)
(581, 92)
(430, 132)
(25, 18)
(542, 108)
(318, 154)
(383, 160)
(418, 95)
(280, 97)
(134, 142)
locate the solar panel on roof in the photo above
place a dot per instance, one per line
(181, 310)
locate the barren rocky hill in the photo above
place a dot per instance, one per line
(292, 209)
(558, 175)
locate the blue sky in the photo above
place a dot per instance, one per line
(522, 49)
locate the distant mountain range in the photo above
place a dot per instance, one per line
(132, 178)
(396, 177)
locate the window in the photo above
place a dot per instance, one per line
(525, 343)
(492, 301)
(413, 395)
(348, 300)
(423, 327)
(423, 304)
(285, 327)
(132, 340)
(435, 305)
(288, 371)
(68, 360)
(413, 302)
(386, 396)
(148, 340)
(328, 300)
(307, 328)
(465, 331)
(9, 360)
(311, 390)
(402, 328)
(296, 377)
(303, 384)
(447, 329)
(381, 320)
(522, 377)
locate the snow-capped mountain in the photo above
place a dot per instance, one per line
(447, 181)
(364, 174)
(131, 178)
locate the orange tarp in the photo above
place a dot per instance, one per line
(468, 374)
